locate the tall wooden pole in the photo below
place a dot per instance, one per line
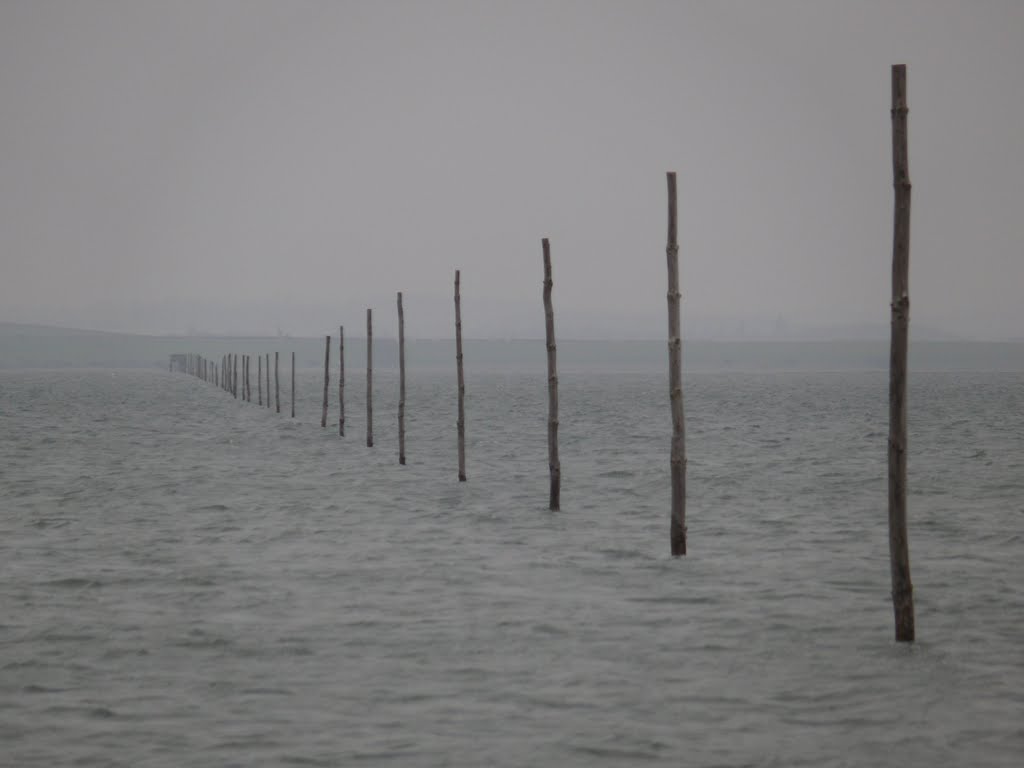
(327, 379)
(341, 380)
(234, 378)
(268, 379)
(460, 424)
(401, 381)
(899, 555)
(554, 465)
(277, 382)
(677, 530)
(293, 385)
(259, 380)
(369, 378)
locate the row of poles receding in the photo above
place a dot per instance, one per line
(226, 376)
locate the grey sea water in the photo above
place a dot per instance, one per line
(186, 579)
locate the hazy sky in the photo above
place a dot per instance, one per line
(251, 165)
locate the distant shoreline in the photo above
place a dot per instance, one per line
(46, 347)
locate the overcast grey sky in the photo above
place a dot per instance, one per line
(253, 165)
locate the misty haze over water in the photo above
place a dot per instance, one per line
(190, 579)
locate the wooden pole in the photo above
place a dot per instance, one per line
(277, 382)
(401, 381)
(259, 380)
(554, 465)
(677, 532)
(460, 424)
(899, 554)
(248, 382)
(369, 378)
(293, 385)
(234, 385)
(341, 380)
(327, 379)
(268, 379)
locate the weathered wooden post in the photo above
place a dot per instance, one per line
(259, 380)
(554, 466)
(293, 385)
(327, 379)
(341, 380)
(677, 532)
(277, 382)
(234, 385)
(248, 382)
(401, 381)
(460, 424)
(369, 378)
(268, 379)
(899, 554)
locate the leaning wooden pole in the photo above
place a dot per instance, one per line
(277, 382)
(369, 378)
(554, 465)
(341, 380)
(677, 530)
(327, 379)
(293, 385)
(401, 381)
(899, 555)
(460, 424)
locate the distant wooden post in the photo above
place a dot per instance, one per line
(259, 380)
(293, 385)
(677, 533)
(899, 554)
(341, 380)
(248, 382)
(554, 465)
(327, 379)
(401, 381)
(460, 424)
(277, 382)
(369, 378)
(234, 385)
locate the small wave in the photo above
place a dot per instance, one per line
(73, 583)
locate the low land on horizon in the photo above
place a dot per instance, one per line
(38, 346)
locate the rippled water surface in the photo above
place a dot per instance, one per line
(186, 579)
